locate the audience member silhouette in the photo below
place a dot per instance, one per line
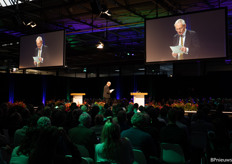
(141, 109)
(136, 107)
(179, 112)
(21, 153)
(163, 114)
(155, 122)
(98, 126)
(130, 113)
(122, 120)
(139, 139)
(222, 126)
(53, 147)
(75, 117)
(73, 106)
(142, 134)
(113, 148)
(14, 122)
(93, 112)
(200, 123)
(83, 135)
(58, 118)
(175, 135)
(21, 133)
(108, 113)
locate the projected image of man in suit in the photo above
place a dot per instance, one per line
(41, 53)
(187, 39)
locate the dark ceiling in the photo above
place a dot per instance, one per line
(122, 32)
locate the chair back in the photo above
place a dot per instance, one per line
(139, 157)
(2, 161)
(83, 150)
(172, 153)
(211, 137)
(87, 160)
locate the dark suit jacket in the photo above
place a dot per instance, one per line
(175, 135)
(192, 42)
(83, 136)
(44, 55)
(106, 92)
(140, 140)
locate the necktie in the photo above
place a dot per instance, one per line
(38, 64)
(39, 52)
(182, 44)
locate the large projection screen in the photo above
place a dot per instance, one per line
(51, 53)
(205, 36)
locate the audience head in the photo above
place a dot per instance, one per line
(45, 148)
(47, 111)
(148, 120)
(58, 118)
(15, 119)
(43, 122)
(110, 136)
(122, 117)
(62, 107)
(76, 114)
(108, 113)
(153, 112)
(106, 106)
(99, 119)
(73, 106)
(138, 120)
(130, 108)
(85, 119)
(30, 107)
(84, 108)
(116, 109)
(95, 110)
(110, 132)
(136, 106)
(141, 108)
(179, 113)
(32, 120)
(29, 141)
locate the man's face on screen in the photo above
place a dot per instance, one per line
(39, 43)
(180, 28)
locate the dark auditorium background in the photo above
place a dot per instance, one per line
(122, 60)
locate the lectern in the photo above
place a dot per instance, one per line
(78, 98)
(139, 97)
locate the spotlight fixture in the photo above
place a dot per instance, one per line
(100, 45)
(100, 8)
(107, 12)
(31, 24)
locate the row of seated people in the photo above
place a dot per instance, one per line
(123, 126)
